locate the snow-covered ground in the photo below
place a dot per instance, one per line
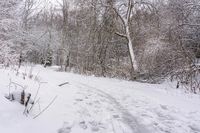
(97, 105)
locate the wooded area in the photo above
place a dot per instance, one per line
(145, 40)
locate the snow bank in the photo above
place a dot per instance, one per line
(100, 105)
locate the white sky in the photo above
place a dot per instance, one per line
(48, 3)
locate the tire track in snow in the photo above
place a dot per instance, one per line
(127, 118)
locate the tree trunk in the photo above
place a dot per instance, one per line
(131, 51)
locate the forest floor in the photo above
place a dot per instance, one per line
(88, 104)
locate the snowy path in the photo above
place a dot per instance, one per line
(123, 115)
(148, 114)
(99, 105)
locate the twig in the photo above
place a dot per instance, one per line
(37, 75)
(26, 111)
(9, 87)
(63, 84)
(34, 100)
(34, 104)
(23, 87)
(37, 92)
(46, 107)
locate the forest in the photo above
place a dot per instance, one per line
(143, 40)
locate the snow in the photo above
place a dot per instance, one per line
(88, 104)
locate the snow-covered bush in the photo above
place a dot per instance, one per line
(160, 59)
(9, 26)
(188, 78)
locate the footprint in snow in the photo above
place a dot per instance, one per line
(96, 126)
(66, 128)
(83, 125)
(164, 107)
(194, 128)
(79, 100)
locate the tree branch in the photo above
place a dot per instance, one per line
(121, 35)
